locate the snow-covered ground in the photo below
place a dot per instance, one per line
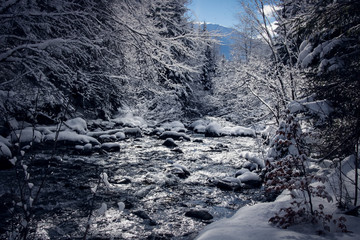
(251, 222)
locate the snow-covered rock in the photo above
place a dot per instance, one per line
(120, 135)
(238, 131)
(176, 126)
(26, 135)
(129, 120)
(133, 132)
(253, 158)
(71, 138)
(110, 147)
(107, 138)
(77, 124)
(241, 171)
(174, 135)
(213, 130)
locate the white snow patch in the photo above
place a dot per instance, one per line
(130, 120)
(70, 136)
(249, 176)
(26, 135)
(252, 157)
(77, 124)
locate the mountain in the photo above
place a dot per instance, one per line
(227, 38)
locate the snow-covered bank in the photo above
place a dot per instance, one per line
(251, 222)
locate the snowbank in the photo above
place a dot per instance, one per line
(251, 222)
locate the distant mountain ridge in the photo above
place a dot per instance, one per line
(227, 38)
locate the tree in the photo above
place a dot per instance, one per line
(326, 36)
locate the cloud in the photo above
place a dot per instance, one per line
(269, 10)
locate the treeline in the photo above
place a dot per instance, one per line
(98, 55)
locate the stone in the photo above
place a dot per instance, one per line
(110, 147)
(174, 135)
(169, 142)
(199, 214)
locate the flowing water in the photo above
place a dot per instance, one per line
(146, 176)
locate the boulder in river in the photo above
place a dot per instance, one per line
(174, 135)
(111, 147)
(250, 180)
(169, 142)
(199, 214)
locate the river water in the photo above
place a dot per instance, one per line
(144, 176)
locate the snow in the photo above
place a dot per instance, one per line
(214, 129)
(249, 176)
(77, 124)
(252, 158)
(251, 222)
(26, 135)
(130, 120)
(239, 131)
(173, 126)
(320, 108)
(71, 137)
(108, 132)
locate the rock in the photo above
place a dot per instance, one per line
(213, 130)
(174, 135)
(77, 124)
(250, 180)
(43, 119)
(199, 214)
(132, 132)
(175, 126)
(180, 171)
(120, 135)
(142, 214)
(200, 129)
(70, 138)
(241, 171)
(198, 141)
(250, 165)
(110, 147)
(169, 142)
(26, 136)
(177, 150)
(229, 184)
(107, 138)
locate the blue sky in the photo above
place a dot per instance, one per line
(222, 12)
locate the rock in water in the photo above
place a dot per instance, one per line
(199, 214)
(169, 142)
(174, 135)
(111, 147)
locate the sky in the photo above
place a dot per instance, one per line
(222, 12)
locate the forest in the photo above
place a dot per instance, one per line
(121, 119)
